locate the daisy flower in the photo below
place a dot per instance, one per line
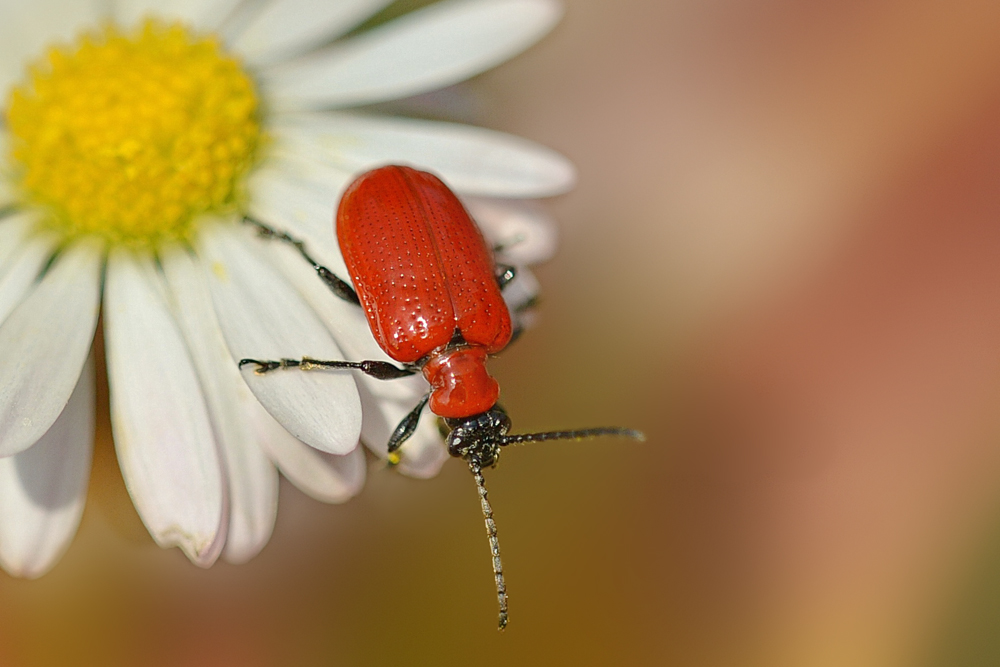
(136, 138)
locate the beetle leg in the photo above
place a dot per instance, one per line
(516, 313)
(505, 274)
(515, 333)
(405, 429)
(338, 286)
(267, 366)
(510, 243)
(380, 370)
(527, 305)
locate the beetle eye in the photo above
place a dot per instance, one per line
(498, 420)
(455, 442)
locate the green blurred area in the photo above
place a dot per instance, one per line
(970, 631)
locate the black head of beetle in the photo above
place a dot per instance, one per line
(478, 439)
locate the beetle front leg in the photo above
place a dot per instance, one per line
(380, 370)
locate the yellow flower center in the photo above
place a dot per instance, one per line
(131, 137)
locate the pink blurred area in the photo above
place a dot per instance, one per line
(782, 261)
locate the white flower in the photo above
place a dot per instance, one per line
(128, 157)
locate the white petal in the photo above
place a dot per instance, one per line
(471, 160)
(14, 228)
(262, 317)
(45, 342)
(162, 431)
(43, 489)
(427, 49)
(423, 454)
(255, 501)
(523, 233)
(302, 211)
(253, 491)
(323, 177)
(345, 321)
(204, 15)
(329, 478)
(28, 28)
(286, 28)
(252, 482)
(7, 193)
(20, 274)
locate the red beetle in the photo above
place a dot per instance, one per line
(431, 292)
(425, 276)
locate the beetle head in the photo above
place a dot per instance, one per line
(477, 439)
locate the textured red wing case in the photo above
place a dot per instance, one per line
(480, 311)
(419, 264)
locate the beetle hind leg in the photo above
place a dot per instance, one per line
(336, 285)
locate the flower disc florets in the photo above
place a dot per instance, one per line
(131, 137)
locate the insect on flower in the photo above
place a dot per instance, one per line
(431, 292)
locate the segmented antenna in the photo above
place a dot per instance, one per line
(572, 435)
(491, 533)
(491, 526)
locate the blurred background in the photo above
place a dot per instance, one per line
(782, 261)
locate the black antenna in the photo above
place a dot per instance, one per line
(491, 532)
(572, 435)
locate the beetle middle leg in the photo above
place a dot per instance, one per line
(505, 273)
(339, 287)
(380, 370)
